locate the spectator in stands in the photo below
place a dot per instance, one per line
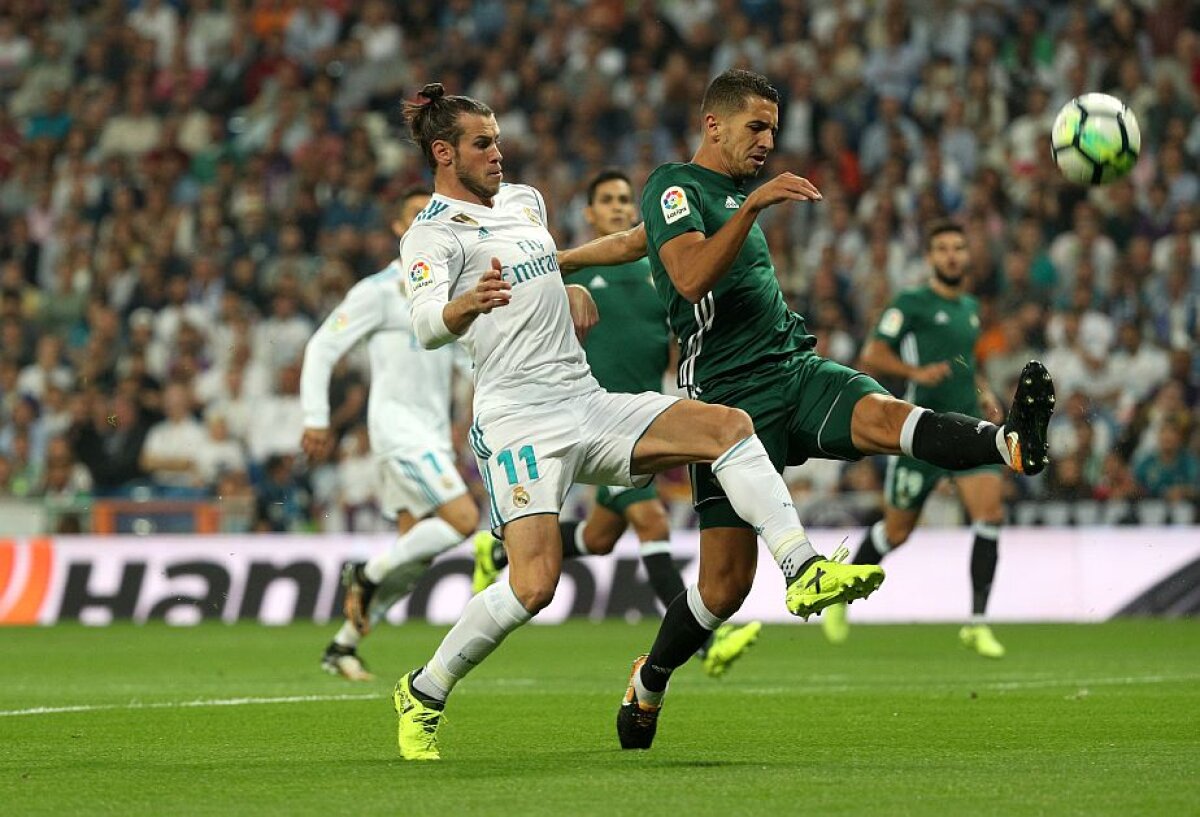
(172, 451)
(162, 161)
(1169, 472)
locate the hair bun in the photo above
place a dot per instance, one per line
(432, 92)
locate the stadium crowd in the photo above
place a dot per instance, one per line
(187, 188)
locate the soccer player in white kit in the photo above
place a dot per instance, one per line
(482, 269)
(408, 420)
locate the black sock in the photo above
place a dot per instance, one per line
(867, 553)
(567, 531)
(983, 570)
(955, 441)
(679, 637)
(664, 576)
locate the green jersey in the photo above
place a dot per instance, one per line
(924, 327)
(628, 348)
(743, 323)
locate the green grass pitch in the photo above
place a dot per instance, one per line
(1087, 720)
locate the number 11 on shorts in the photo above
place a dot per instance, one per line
(525, 454)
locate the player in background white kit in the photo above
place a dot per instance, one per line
(408, 419)
(483, 269)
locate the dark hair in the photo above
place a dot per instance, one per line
(729, 91)
(437, 117)
(414, 190)
(938, 227)
(605, 176)
(407, 193)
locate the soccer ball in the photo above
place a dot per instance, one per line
(1095, 139)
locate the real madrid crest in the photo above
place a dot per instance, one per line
(533, 216)
(520, 496)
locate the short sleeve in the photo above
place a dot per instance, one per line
(671, 206)
(431, 259)
(893, 324)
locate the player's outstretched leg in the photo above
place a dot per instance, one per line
(957, 442)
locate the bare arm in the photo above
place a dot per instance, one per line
(879, 359)
(696, 263)
(619, 248)
(988, 402)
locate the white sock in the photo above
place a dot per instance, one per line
(879, 538)
(1002, 445)
(347, 636)
(760, 496)
(396, 585)
(580, 547)
(485, 621)
(655, 547)
(424, 540)
(908, 429)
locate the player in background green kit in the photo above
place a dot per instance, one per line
(742, 347)
(927, 337)
(628, 350)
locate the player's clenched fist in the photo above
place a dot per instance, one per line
(784, 187)
(491, 291)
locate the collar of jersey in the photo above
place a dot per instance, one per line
(738, 187)
(470, 205)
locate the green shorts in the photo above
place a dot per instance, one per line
(801, 409)
(909, 482)
(618, 499)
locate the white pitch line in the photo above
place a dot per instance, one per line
(504, 686)
(283, 699)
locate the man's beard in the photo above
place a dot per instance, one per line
(476, 187)
(954, 283)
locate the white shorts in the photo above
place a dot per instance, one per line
(529, 459)
(418, 483)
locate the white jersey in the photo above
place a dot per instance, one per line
(409, 405)
(525, 353)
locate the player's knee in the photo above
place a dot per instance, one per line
(461, 514)
(734, 426)
(897, 533)
(651, 528)
(599, 545)
(535, 595)
(724, 598)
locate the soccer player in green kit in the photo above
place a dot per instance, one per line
(742, 347)
(628, 351)
(927, 336)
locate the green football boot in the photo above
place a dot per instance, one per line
(730, 643)
(417, 733)
(829, 581)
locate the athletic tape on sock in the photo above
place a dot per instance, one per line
(696, 604)
(879, 538)
(651, 548)
(909, 428)
(986, 530)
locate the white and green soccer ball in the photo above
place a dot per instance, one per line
(1095, 139)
